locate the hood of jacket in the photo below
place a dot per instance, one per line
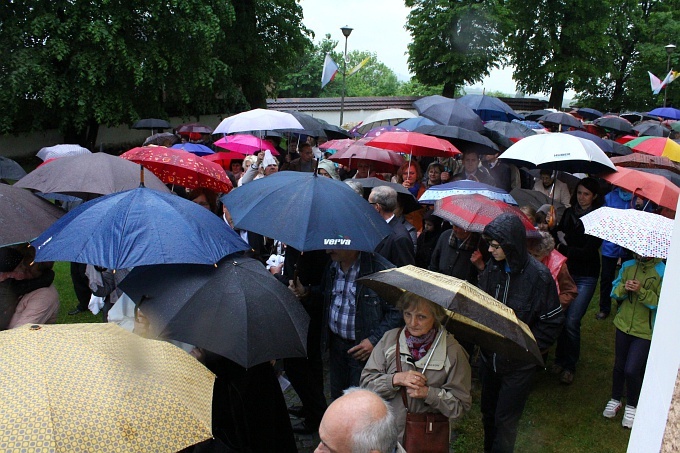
(507, 229)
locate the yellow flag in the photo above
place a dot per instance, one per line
(359, 66)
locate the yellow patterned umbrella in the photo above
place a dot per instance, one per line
(99, 388)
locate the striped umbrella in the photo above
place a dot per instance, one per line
(656, 146)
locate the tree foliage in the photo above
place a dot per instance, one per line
(454, 42)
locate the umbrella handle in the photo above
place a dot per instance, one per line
(434, 346)
(141, 175)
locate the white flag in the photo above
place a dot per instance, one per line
(329, 70)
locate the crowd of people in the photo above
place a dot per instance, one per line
(398, 360)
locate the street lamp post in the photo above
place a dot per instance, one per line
(669, 50)
(346, 31)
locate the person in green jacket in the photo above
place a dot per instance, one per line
(637, 288)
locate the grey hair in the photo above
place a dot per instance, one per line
(386, 197)
(379, 435)
(356, 186)
(543, 246)
(409, 300)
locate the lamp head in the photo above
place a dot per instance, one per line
(346, 31)
(670, 48)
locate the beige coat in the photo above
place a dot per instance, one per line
(448, 376)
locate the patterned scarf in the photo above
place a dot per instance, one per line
(420, 345)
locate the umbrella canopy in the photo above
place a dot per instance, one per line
(510, 130)
(236, 309)
(318, 213)
(558, 152)
(465, 187)
(56, 151)
(639, 160)
(415, 144)
(588, 114)
(449, 112)
(246, 144)
(536, 199)
(463, 139)
(669, 175)
(385, 117)
(489, 108)
(316, 127)
(635, 117)
(224, 158)
(600, 142)
(668, 113)
(656, 146)
(178, 167)
(561, 119)
(151, 124)
(651, 187)
(162, 139)
(536, 114)
(23, 216)
(412, 123)
(652, 129)
(474, 212)
(405, 198)
(618, 149)
(376, 131)
(138, 227)
(9, 169)
(614, 123)
(193, 128)
(642, 232)
(473, 315)
(675, 125)
(89, 175)
(337, 145)
(381, 160)
(258, 120)
(141, 388)
(194, 148)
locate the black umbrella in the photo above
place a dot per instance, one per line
(236, 309)
(10, 169)
(449, 112)
(561, 119)
(509, 130)
(617, 148)
(151, 124)
(614, 123)
(316, 127)
(651, 128)
(600, 142)
(23, 216)
(162, 139)
(588, 114)
(536, 199)
(405, 198)
(463, 139)
(188, 128)
(536, 114)
(635, 117)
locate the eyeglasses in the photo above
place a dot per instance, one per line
(494, 246)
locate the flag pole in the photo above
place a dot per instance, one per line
(346, 31)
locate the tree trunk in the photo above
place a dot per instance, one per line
(557, 95)
(449, 89)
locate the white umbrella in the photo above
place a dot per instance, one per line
(558, 152)
(257, 120)
(53, 152)
(642, 232)
(385, 117)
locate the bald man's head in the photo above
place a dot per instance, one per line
(358, 422)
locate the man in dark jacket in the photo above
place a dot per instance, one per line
(453, 254)
(520, 282)
(397, 248)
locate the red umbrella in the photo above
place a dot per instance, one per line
(223, 159)
(245, 144)
(415, 144)
(338, 145)
(646, 185)
(382, 160)
(195, 128)
(474, 212)
(174, 166)
(640, 160)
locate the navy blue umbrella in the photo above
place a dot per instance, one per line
(489, 108)
(138, 227)
(600, 142)
(194, 148)
(307, 212)
(449, 112)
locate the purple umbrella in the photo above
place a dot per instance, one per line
(194, 148)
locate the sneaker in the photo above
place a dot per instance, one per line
(601, 316)
(613, 407)
(628, 417)
(567, 377)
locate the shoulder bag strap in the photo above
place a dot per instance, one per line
(398, 362)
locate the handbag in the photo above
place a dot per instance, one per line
(426, 432)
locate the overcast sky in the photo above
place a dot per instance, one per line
(378, 27)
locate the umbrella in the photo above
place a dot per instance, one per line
(675, 125)
(145, 395)
(9, 169)
(307, 212)
(473, 315)
(465, 187)
(536, 114)
(642, 232)
(651, 187)
(536, 199)
(489, 108)
(88, 175)
(245, 144)
(561, 119)
(56, 151)
(474, 212)
(193, 128)
(652, 129)
(337, 145)
(223, 159)
(376, 131)
(316, 127)
(382, 160)
(135, 228)
(463, 139)
(236, 309)
(600, 142)
(258, 120)
(332, 131)
(181, 168)
(656, 146)
(558, 152)
(588, 113)
(23, 216)
(669, 175)
(151, 123)
(412, 123)
(635, 117)
(510, 130)
(415, 144)
(614, 123)
(385, 117)
(617, 148)
(639, 160)
(449, 112)
(668, 113)
(161, 139)
(194, 148)
(405, 198)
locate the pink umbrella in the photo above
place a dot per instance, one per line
(245, 144)
(415, 144)
(338, 145)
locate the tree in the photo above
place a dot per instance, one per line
(556, 45)
(454, 43)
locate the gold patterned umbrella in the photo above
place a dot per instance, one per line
(99, 388)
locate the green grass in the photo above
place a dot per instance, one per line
(67, 297)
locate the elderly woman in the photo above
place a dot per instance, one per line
(443, 388)
(543, 250)
(264, 165)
